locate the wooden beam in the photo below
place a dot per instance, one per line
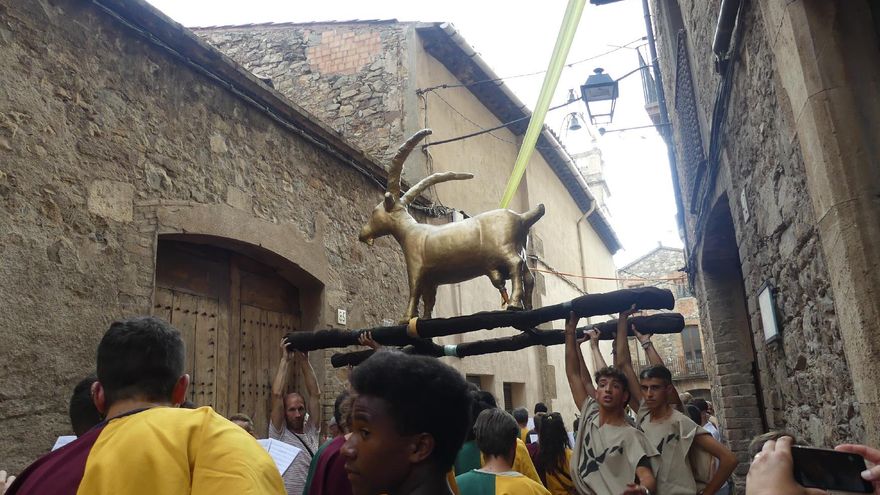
(664, 323)
(401, 335)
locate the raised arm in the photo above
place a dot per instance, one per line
(313, 403)
(585, 374)
(584, 371)
(656, 360)
(279, 386)
(623, 359)
(580, 389)
(595, 353)
(598, 361)
(652, 354)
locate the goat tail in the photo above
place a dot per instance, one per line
(530, 217)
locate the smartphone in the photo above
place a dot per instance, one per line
(829, 470)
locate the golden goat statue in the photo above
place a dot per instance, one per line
(491, 243)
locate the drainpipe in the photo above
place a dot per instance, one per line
(577, 228)
(724, 32)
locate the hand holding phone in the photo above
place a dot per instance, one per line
(771, 472)
(872, 456)
(837, 471)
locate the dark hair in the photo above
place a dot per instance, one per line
(188, 404)
(481, 400)
(496, 432)
(338, 405)
(423, 395)
(552, 441)
(613, 373)
(540, 407)
(656, 371)
(486, 398)
(140, 357)
(538, 417)
(83, 413)
(521, 415)
(701, 404)
(694, 413)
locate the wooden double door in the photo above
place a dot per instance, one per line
(232, 312)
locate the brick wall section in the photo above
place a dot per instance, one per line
(652, 270)
(805, 378)
(350, 76)
(344, 52)
(88, 104)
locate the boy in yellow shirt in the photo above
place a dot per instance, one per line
(496, 434)
(148, 444)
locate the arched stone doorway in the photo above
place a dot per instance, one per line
(232, 303)
(235, 284)
(736, 384)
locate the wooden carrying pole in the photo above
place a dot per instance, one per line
(401, 335)
(664, 323)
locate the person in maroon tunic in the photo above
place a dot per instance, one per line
(330, 477)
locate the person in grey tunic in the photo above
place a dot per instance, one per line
(686, 448)
(610, 456)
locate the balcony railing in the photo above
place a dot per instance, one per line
(680, 367)
(649, 88)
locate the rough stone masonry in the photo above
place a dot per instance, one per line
(350, 76)
(100, 132)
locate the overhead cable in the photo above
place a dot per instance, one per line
(502, 126)
(505, 78)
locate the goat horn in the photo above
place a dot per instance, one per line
(429, 181)
(397, 162)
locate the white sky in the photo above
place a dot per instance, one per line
(517, 37)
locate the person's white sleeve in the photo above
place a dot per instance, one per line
(275, 433)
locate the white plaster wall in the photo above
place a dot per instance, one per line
(491, 160)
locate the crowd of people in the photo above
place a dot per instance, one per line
(407, 424)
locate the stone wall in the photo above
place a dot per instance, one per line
(100, 132)
(350, 76)
(662, 262)
(804, 384)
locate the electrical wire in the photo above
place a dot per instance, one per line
(478, 126)
(497, 79)
(423, 94)
(591, 277)
(485, 131)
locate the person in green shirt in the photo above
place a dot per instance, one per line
(469, 456)
(496, 435)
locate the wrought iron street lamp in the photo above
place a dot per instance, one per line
(600, 94)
